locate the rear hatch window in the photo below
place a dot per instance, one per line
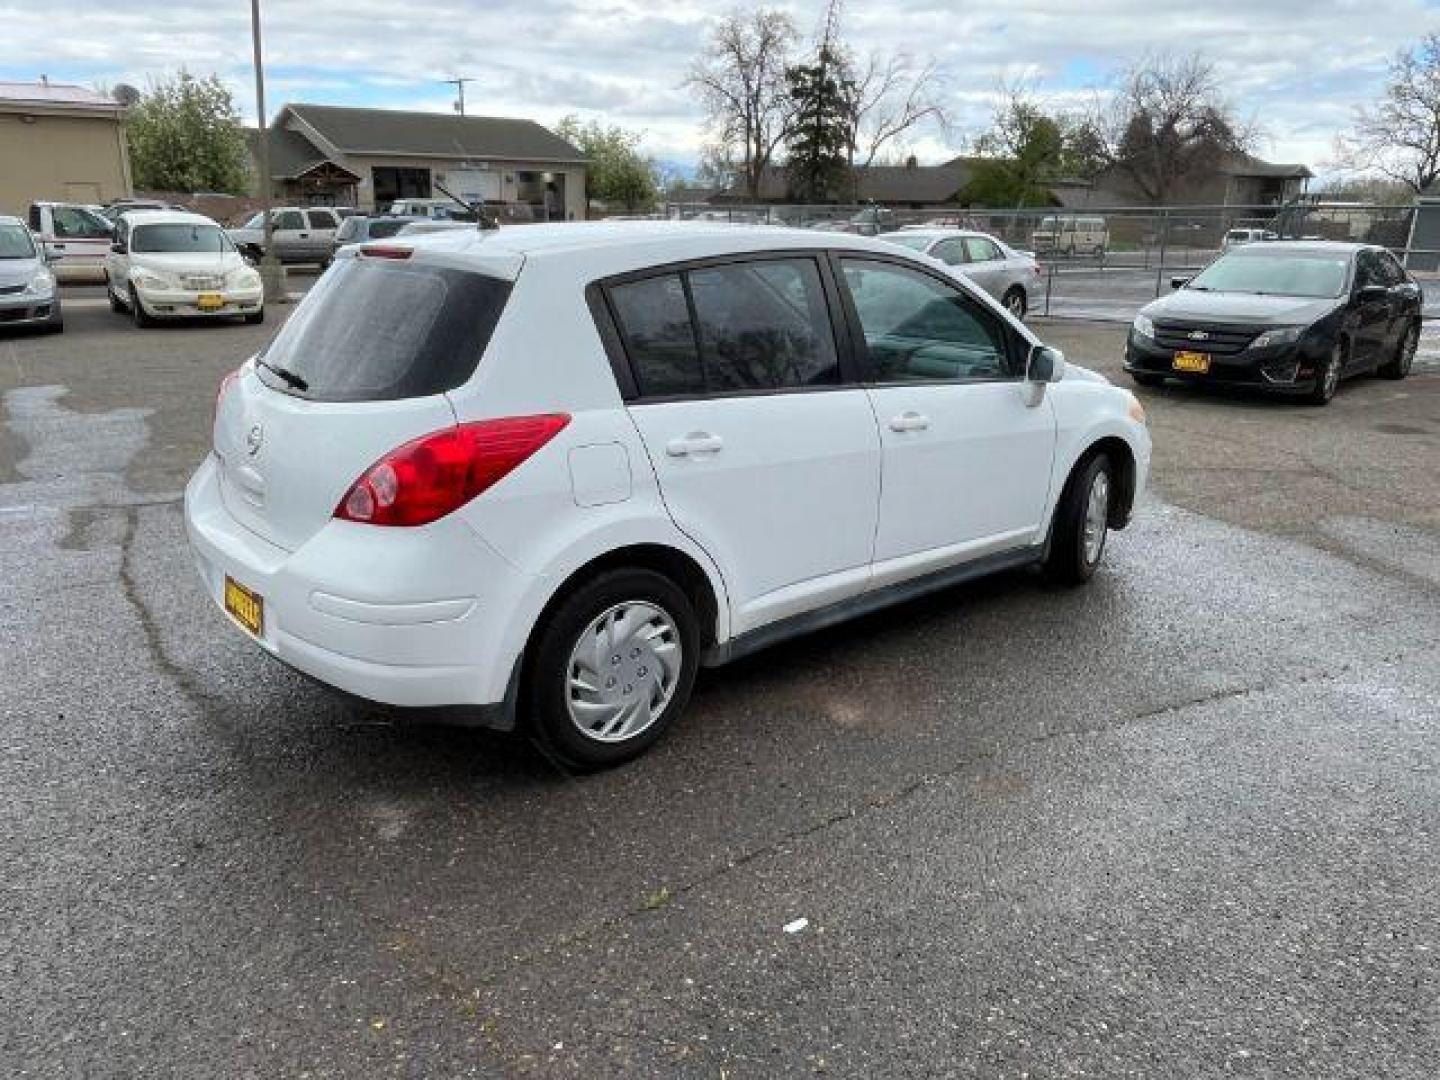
(375, 329)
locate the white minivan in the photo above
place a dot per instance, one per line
(1072, 234)
(546, 474)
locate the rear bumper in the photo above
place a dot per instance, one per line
(405, 617)
(1285, 368)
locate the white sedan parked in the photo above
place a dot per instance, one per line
(547, 473)
(169, 264)
(1011, 276)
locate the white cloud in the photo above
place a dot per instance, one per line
(1297, 67)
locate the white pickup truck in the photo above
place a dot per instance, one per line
(76, 239)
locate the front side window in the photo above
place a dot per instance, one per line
(920, 330)
(77, 223)
(15, 241)
(950, 252)
(764, 326)
(177, 237)
(980, 249)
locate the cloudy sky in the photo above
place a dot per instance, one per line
(1297, 67)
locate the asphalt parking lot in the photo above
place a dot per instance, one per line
(1178, 823)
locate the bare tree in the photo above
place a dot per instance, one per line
(740, 79)
(1400, 136)
(891, 96)
(1166, 121)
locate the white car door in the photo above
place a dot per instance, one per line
(117, 263)
(767, 456)
(322, 232)
(967, 446)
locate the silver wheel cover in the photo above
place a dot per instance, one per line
(1097, 517)
(623, 671)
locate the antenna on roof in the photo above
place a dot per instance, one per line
(459, 83)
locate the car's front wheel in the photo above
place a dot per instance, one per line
(1404, 359)
(1327, 379)
(612, 667)
(1081, 523)
(143, 319)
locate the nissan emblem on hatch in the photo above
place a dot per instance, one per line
(253, 438)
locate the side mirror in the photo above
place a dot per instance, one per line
(1179, 282)
(1370, 293)
(1044, 365)
(118, 247)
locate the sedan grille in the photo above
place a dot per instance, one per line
(1204, 337)
(202, 281)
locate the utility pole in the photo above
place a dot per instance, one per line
(459, 83)
(272, 274)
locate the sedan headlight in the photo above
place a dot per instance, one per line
(244, 278)
(153, 279)
(1285, 335)
(1144, 327)
(42, 284)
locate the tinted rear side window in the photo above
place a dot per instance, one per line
(655, 322)
(381, 330)
(381, 229)
(764, 326)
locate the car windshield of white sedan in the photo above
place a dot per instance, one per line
(178, 237)
(1318, 276)
(15, 242)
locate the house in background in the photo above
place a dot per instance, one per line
(333, 155)
(60, 142)
(909, 186)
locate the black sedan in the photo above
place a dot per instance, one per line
(1294, 317)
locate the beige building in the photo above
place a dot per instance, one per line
(59, 142)
(323, 154)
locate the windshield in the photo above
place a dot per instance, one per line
(15, 242)
(383, 329)
(179, 237)
(1315, 276)
(915, 243)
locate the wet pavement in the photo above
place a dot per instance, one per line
(1180, 822)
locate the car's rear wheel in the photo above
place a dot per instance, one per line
(1327, 379)
(612, 668)
(1404, 359)
(1081, 523)
(1146, 379)
(1014, 301)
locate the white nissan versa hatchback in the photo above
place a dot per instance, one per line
(546, 473)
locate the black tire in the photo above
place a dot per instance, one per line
(1147, 379)
(1398, 366)
(255, 318)
(547, 690)
(1016, 302)
(137, 312)
(1327, 379)
(1069, 560)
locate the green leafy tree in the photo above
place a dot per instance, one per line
(1022, 154)
(819, 138)
(618, 173)
(185, 135)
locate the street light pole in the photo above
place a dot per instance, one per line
(272, 274)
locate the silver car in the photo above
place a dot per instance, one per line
(1011, 276)
(28, 293)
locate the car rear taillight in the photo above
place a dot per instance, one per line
(224, 388)
(431, 476)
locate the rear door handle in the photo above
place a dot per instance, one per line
(697, 442)
(909, 421)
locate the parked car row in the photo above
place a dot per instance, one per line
(1008, 275)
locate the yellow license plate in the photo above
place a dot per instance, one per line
(210, 301)
(248, 607)
(1197, 362)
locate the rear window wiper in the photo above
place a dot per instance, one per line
(295, 382)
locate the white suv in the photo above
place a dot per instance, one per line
(547, 473)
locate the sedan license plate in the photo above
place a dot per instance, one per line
(210, 301)
(1196, 362)
(248, 607)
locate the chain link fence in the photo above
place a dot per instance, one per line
(1105, 263)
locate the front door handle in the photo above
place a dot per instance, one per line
(696, 443)
(909, 421)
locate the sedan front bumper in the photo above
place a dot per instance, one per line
(1283, 368)
(25, 309)
(185, 303)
